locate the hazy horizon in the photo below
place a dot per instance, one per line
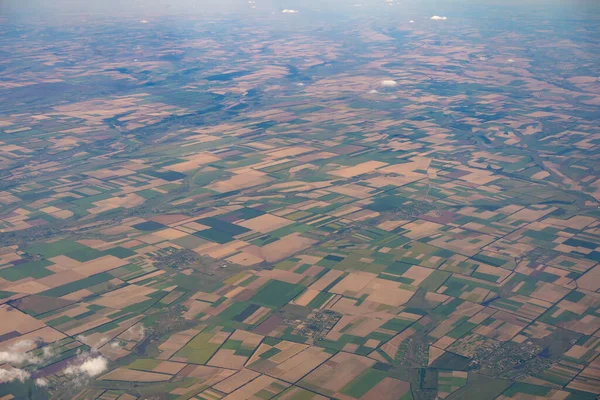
(61, 8)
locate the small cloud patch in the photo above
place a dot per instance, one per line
(18, 353)
(41, 382)
(438, 18)
(13, 374)
(87, 366)
(389, 83)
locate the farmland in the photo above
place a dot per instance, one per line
(264, 204)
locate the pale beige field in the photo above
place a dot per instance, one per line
(265, 223)
(236, 381)
(338, 371)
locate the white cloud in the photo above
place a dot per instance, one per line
(94, 366)
(137, 332)
(87, 365)
(48, 352)
(438, 18)
(510, 60)
(13, 374)
(373, 91)
(41, 382)
(287, 11)
(411, 21)
(389, 83)
(18, 353)
(143, 21)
